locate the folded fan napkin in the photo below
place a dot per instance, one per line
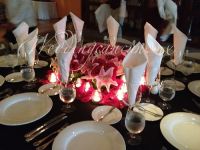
(21, 33)
(78, 25)
(60, 28)
(30, 46)
(154, 53)
(64, 56)
(113, 27)
(101, 15)
(179, 40)
(134, 66)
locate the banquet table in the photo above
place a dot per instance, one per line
(12, 137)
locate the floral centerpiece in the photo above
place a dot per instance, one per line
(97, 73)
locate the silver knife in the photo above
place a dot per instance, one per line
(28, 139)
(42, 126)
(106, 114)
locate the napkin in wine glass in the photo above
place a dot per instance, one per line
(64, 56)
(60, 28)
(122, 9)
(134, 66)
(113, 27)
(78, 25)
(30, 47)
(168, 11)
(149, 29)
(101, 15)
(154, 53)
(179, 40)
(21, 33)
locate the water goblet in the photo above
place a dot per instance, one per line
(167, 92)
(134, 123)
(28, 74)
(67, 95)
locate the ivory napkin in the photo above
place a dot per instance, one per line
(78, 25)
(149, 29)
(134, 66)
(122, 9)
(154, 54)
(179, 40)
(21, 33)
(60, 28)
(168, 11)
(30, 47)
(113, 27)
(101, 15)
(64, 57)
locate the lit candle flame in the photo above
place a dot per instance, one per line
(142, 81)
(87, 86)
(121, 92)
(78, 83)
(96, 97)
(52, 78)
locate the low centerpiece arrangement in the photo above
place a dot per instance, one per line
(97, 74)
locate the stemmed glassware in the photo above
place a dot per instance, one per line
(167, 92)
(67, 95)
(28, 74)
(134, 123)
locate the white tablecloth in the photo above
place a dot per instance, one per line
(45, 10)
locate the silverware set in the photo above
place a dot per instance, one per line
(40, 143)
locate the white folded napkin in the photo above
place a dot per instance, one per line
(179, 40)
(64, 57)
(60, 28)
(122, 9)
(168, 11)
(101, 15)
(78, 25)
(154, 54)
(30, 47)
(113, 27)
(149, 29)
(21, 33)
(134, 67)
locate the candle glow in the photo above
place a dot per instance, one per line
(78, 83)
(87, 86)
(96, 97)
(52, 78)
(142, 81)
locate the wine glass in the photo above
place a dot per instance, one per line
(134, 123)
(28, 74)
(67, 95)
(167, 92)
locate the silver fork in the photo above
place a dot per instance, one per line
(37, 143)
(42, 147)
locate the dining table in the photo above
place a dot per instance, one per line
(12, 137)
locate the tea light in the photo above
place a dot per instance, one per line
(52, 78)
(96, 97)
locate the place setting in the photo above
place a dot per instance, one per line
(112, 94)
